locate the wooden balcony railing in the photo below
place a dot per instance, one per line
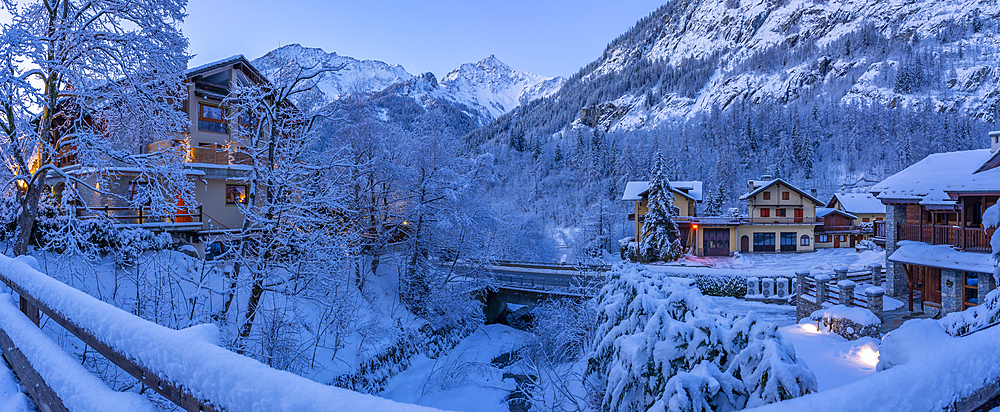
(130, 215)
(216, 155)
(878, 229)
(973, 239)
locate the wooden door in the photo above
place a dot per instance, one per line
(798, 215)
(853, 239)
(745, 244)
(836, 240)
(932, 285)
(716, 242)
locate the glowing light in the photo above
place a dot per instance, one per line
(867, 356)
(809, 327)
(695, 227)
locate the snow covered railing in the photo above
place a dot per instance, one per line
(186, 366)
(850, 289)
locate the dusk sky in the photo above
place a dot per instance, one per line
(549, 38)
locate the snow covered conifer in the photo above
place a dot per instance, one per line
(714, 206)
(661, 346)
(661, 238)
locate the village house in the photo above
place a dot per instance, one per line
(781, 218)
(937, 247)
(213, 163)
(849, 218)
(687, 195)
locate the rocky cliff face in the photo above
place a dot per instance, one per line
(693, 56)
(362, 76)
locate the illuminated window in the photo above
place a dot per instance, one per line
(236, 194)
(211, 118)
(805, 240)
(822, 238)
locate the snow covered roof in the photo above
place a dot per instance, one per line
(947, 172)
(691, 187)
(942, 256)
(858, 203)
(239, 58)
(635, 190)
(826, 211)
(763, 185)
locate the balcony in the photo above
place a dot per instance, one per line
(215, 155)
(189, 218)
(723, 221)
(972, 239)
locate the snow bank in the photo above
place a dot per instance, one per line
(231, 381)
(855, 314)
(78, 388)
(11, 398)
(922, 368)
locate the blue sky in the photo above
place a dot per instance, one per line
(549, 38)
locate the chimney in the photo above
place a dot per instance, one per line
(813, 192)
(842, 190)
(994, 141)
(766, 177)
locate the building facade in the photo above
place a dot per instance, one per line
(937, 249)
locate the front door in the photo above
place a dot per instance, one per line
(716, 242)
(745, 244)
(836, 240)
(853, 240)
(932, 285)
(798, 215)
(788, 241)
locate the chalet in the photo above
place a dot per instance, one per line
(937, 247)
(214, 164)
(687, 194)
(836, 228)
(782, 217)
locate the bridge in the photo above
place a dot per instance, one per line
(529, 283)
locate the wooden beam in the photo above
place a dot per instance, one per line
(41, 393)
(162, 385)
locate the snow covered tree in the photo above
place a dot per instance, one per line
(88, 83)
(661, 346)
(294, 237)
(661, 238)
(715, 201)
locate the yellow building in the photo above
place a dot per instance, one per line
(782, 218)
(687, 195)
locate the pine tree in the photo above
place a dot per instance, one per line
(714, 207)
(662, 238)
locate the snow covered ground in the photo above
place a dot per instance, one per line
(822, 260)
(11, 398)
(464, 379)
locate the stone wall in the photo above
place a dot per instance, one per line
(895, 282)
(952, 282)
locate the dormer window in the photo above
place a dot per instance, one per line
(211, 118)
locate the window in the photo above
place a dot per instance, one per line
(970, 289)
(842, 238)
(822, 238)
(763, 242)
(865, 219)
(805, 240)
(765, 212)
(767, 195)
(236, 194)
(211, 118)
(785, 195)
(781, 213)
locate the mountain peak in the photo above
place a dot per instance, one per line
(363, 76)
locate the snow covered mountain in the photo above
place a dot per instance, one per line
(690, 57)
(363, 76)
(483, 90)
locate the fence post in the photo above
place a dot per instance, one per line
(800, 281)
(874, 296)
(841, 272)
(876, 274)
(821, 281)
(846, 292)
(140, 215)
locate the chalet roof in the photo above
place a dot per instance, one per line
(822, 212)
(694, 188)
(858, 203)
(207, 67)
(768, 183)
(635, 190)
(944, 172)
(942, 256)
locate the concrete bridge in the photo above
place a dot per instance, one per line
(530, 283)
